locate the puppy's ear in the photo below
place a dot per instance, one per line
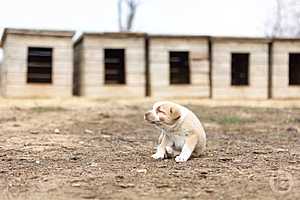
(175, 113)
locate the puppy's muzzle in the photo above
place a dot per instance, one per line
(150, 118)
(147, 115)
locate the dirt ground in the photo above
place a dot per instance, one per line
(95, 149)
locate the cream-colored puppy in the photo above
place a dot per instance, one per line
(181, 131)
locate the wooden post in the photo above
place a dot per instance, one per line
(270, 69)
(147, 70)
(210, 60)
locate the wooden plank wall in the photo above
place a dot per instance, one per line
(258, 70)
(3, 73)
(15, 66)
(280, 78)
(1, 78)
(92, 67)
(159, 67)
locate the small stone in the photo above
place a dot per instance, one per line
(45, 179)
(141, 171)
(281, 150)
(203, 172)
(57, 131)
(81, 142)
(37, 162)
(176, 174)
(94, 164)
(209, 190)
(88, 131)
(74, 158)
(103, 115)
(293, 129)
(119, 177)
(237, 161)
(76, 184)
(250, 177)
(105, 136)
(89, 196)
(34, 132)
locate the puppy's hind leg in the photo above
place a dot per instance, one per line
(199, 150)
(188, 148)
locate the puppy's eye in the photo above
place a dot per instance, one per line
(159, 110)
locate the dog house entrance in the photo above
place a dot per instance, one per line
(114, 66)
(39, 64)
(179, 67)
(239, 68)
(294, 69)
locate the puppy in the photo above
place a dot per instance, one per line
(182, 134)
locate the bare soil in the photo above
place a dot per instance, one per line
(102, 150)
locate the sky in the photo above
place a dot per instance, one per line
(193, 17)
(215, 17)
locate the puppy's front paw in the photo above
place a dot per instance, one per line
(158, 156)
(180, 159)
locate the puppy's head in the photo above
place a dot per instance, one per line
(163, 114)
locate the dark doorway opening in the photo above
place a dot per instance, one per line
(240, 69)
(39, 62)
(114, 66)
(179, 67)
(294, 69)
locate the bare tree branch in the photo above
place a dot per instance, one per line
(120, 15)
(277, 29)
(131, 8)
(286, 22)
(296, 17)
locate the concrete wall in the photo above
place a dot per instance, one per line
(280, 71)
(1, 73)
(91, 66)
(221, 69)
(160, 69)
(14, 72)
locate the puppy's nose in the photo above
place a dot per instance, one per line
(147, 114)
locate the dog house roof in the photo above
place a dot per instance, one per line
(111, 35)
(37, 32)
